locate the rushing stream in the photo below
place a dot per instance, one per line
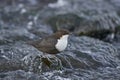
(93, 51)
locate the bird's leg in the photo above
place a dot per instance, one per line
(59, 62)
(47, 56)
(46, 60)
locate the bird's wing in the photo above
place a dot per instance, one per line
(47, 42)
(46, 45)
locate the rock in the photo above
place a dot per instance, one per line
(20, 56)
(18, 75)
(83, 17)
(85, 52)
(11, 56)
(64, 21)
(85, 58)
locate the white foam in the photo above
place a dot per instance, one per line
(23, 10)
(29, 24)
(59, 3)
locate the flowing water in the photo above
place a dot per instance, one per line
(86, 57)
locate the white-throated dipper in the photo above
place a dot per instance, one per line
(52, 44)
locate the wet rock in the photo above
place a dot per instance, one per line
(84, 59)
(85, 52)
(100, 74)
(83, 17)
(77, 74)
(11, 56)
(20, 56)
(19, 75)
(89, 18)
(82, 52)
(65, 21)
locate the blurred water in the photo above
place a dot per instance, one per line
(85, 58)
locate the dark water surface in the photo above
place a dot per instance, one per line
(93, 52)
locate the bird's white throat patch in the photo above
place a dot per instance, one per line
(62, 43)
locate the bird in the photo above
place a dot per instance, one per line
(53, 44)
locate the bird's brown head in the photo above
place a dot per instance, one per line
(61, 32)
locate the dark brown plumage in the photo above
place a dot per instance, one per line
(47, 45)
